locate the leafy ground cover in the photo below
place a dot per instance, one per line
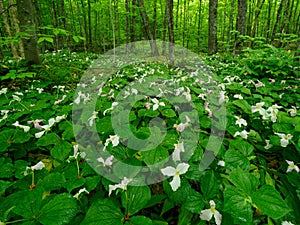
(253, 179)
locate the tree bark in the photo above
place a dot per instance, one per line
(240, 23)
(6, 23)
(148, 29)
(27, 25)
(278, 19)
(169, 12)
(230, 25)
(199, 30)
(213, 27)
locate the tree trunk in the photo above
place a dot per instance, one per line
(278, 19)
(257, 13)
(133, 22)
(13, 14)
(230, 25)
(26, 18)
(6, 23)
(199, 25)
(169, 12)
(240, 23)
(213, 27)
(268, 26)
(148, 29)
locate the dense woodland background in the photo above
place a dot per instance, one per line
(99, 25)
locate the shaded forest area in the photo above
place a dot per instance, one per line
(97, 26)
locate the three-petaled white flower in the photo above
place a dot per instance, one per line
(40, 165)
(238, 96)
(178, 149)
(114, 139)
(82, 190)
(240, 121)
(268, 145)
(292, 166)
(36, 123)
(122, 185)
(25, 128)
(180, 127)
(293, 111)
(287, 223)
(258, 108)
(92, 118)
(284, 141)
(170, 171)
(207, 214)
(243, 134)
(157, 103)
(76, 153)
(107, 162)
(47, 127)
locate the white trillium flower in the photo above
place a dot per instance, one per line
(114, 139)
(92, 118)
(3, 91)
(82, 190)
(25, 128)
(287, 223)
(111, 108)
(284, 141)
(240, 121)
(60, 118)
(292, 166)
(274, 108)
(238, 96)
(293, 111)
(16, 98)
(207, 214)
(157, 103)
(243, 134)
(178, 149)
(169, 171)
(221, 163)
(107, 162)
(40, 165)
(122, 185)
(268, 146)
(258, 108)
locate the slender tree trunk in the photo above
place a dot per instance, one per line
(85, 24)
(148, 29)
(164, 28)
(6, 23)
(177, 14)
(213, 27)
(169, 12)
(240, 23)
(26, 18)
(257, 13)
(64, 21)
(230, 25)
(15, 21)
(268, 26)
(278, 19)
(133, 24)
(199, 30)
(127, 7)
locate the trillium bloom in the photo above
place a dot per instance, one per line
(274, 108)
(4, 114)
(258, 108)
(208, 109)
(157, 103)
(111, 108)
(238, 96)
(76, 153)
(169, 171)
(25, 128)
(92, 118)
(292, 166)
(122, 185)
(16, 98)
(36, 123)
(268, 146)
(107, 162)
(114, 139)
(240, 121)
(178, 149)
(293, 111)
(284, 141)
(207, 214)
(3, 91)
(287, 223)
(82, 190)
(60, 118)
(221, 163)
(59, 101)
(243, 134)
(180, 127)
(45, 128)
(40, 165)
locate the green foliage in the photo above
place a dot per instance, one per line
(249, 180)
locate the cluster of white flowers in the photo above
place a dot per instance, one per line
(25, 128)
(47, 127)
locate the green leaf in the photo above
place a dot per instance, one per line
(234, 159)
(138, 220)
(243, 104)
(61, 151)
(155, 156)
(242, 146)
(6, 168)
(244, 181)
(168, 113)
(48, 139)
(135, 198)
(60, 210)
(184, 217)
(103, 211)
(269, 201)
(236, 204)
(194, 202)
(209, 184)
(53, 181)
(3, 186)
